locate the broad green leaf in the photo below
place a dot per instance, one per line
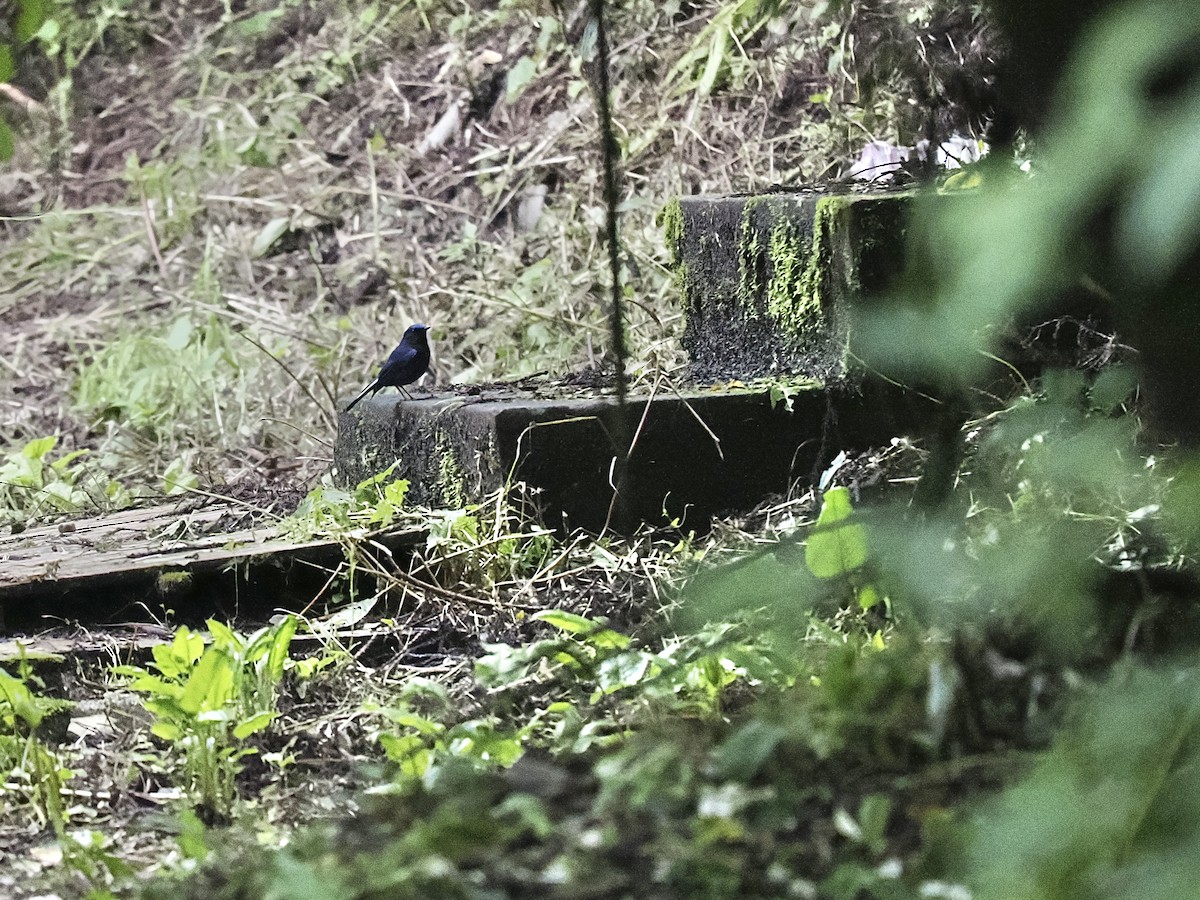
(257, 24)
(149, 684)
(742, 754)
(179, 479)
(565, 621)
(210, 685)
(31, 15)
(716, 59)
(482, 741)
(408, 751)
(225, 638)
(418, 723)
(258, 644)
(18, 696)
(175, 660)
(168, 731)
(868, 596)
(254, 724)
(280, 644)
(306, 668)
(519, 78)
(39, 447)
(6, 63)
(62, 495)
(1112, 387)
(623, 671)
(166, 709)
(836, 547)
(395, 491)
(180, 334)
(271, 232)
(59, 465)
(591, 631)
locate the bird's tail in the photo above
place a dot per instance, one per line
(364, 393)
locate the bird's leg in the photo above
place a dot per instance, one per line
(401, 389)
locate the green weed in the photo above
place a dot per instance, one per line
(34, 485)
(207, 701)
(32, 771)
(327, 511)
(172, 386)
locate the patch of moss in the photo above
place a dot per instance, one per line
(451, 480)
(833, 269)
(169, 584)
(808, 267)
(833, 231)
(753, 275)
(371, 457)
(791, 299)
(670, 220)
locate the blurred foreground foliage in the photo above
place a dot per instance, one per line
(1043, 623)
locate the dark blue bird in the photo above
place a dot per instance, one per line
(408, 362)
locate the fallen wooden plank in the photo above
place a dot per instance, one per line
(131, 549)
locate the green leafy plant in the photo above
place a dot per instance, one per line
(1131, 829)
(207, 701)
(487, 543)
(593, 686)
(165, 384)
(33, 483)
(374, 503)
(836, 549)
(31, 768)
(602, 683)
(712, 55)
(422, 741)
(26, 25)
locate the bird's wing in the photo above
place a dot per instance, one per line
(400, 359)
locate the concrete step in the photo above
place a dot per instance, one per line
(696, 455)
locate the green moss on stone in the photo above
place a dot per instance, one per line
(168, 584)
(752, 273)
(811, 271)
(833, 227)
(670, 220)
(791, 299)
(371, 457)
(451, 480)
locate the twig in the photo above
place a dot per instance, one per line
(148, 219)
(304, 387)
(410, 581)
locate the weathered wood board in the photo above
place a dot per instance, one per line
(130, 550)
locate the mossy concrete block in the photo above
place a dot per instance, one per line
(768, 281)
(695, 456)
